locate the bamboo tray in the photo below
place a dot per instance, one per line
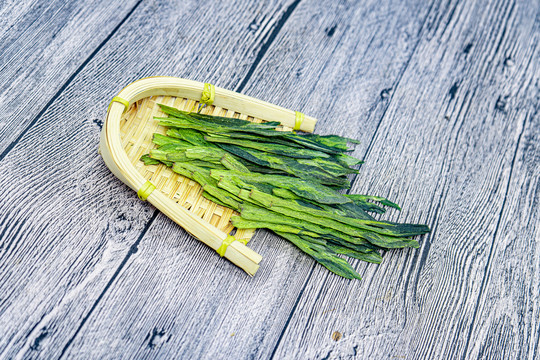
(127, 135)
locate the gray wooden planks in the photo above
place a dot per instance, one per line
(445, 150)
(466, 65)
(42, 44)
(67, 224)
(175, 297)
(507, 322)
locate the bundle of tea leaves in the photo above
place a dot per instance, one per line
(283, 181)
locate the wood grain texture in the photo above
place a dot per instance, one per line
(444, 98)
(507, 322)
(174, 297)
(67, 225)
(42, 44)
(445, 151)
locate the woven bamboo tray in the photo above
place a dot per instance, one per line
(127, 135)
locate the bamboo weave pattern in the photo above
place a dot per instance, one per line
(137, 128)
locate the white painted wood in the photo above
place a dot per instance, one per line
(445, 151)
(168, 308)
(42, 44)
(456, 87)
(66, 223)
(507, 324)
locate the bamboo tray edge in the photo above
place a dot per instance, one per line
(116, 158)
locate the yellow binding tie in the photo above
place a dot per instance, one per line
(225, 244)
(207, 97)
(208, 94)
(298, 120)
(145, 190)
(121, 101)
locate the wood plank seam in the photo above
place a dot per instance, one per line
(133, 250)
(355, 176)
(42, 334)
(434, 223)
(296, 302)
(495, 233)
(426, 244)
(445, 198)
(503, 206)
(266, 44)
(400, 76)
(66, 84)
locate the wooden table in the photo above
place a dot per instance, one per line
(444, 96)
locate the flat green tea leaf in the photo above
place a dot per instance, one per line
(323, 256)
(269, 147)
(283, 181)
